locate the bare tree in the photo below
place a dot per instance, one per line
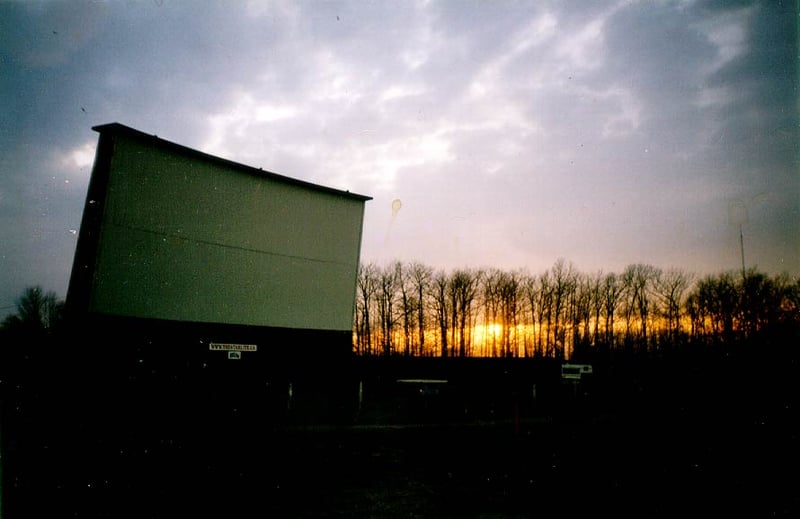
(611, 296)
(638, 279)
(38, 312)
(581, 312)
(408, 305)
(452, 297)
(546, 311)
(717, 299)
(787, 313)
(508, 291)
(490, 295)
(670, 288)
(367, 286)
(696, 317)
(462, 288)
(439, 299)
(529, 291)
(421, 278)
(563, 284)
(386, 294)
(596, 295)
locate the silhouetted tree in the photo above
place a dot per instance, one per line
(546, 311)
(529, 290)
(463, 287)
(611, 297)
(508, 291)
(563, 284)
(717, 300)
(490, 295)
(670, 287)
(38, 313)
(408, 305)
(581, 311)
(788, 312)
(367, 286)
(421, 278)
(638, 280)
(596, 296)
(439, 292)
(386, 294)
(562, 313)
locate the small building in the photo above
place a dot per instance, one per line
(187, 259)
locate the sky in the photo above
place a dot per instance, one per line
(489, 134)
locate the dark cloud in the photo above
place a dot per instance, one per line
(762, 122)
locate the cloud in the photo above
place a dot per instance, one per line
(80, 157)
(514, 133)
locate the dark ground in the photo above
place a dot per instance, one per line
(663, 443)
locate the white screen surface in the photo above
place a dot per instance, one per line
(190, 239)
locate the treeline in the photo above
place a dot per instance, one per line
(411, 309)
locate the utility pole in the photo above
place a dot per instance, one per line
(741, 244)
(737, 215)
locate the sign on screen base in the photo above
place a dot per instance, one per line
(234, 350)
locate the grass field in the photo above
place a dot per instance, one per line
(689, 445)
